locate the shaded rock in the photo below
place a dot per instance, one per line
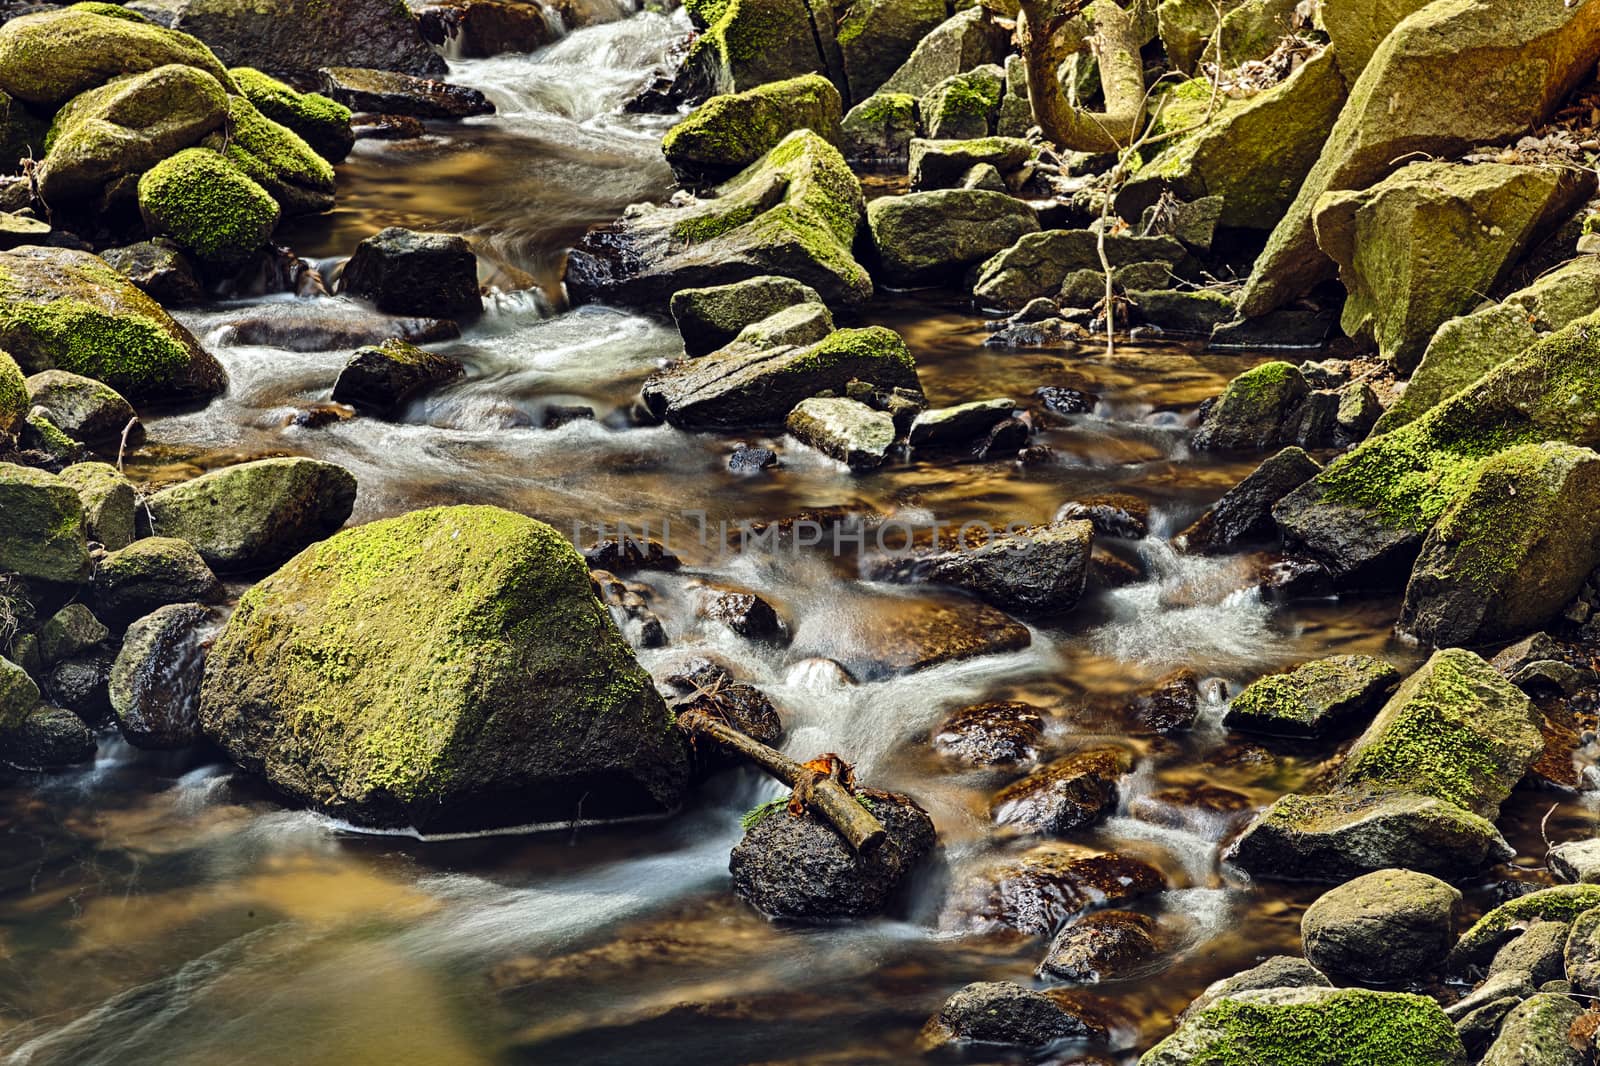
(1060, 400)
(14, 400)
(280, 35)
(1285, 328)
(48, 738)
(1038, 891)
(1535, 1034)
(1314, 698)
(383, 378)
(44, 438)
(752, 460)
(1038, 571)
(536, 703)
(850, 432)
(388, 93)
(1102, 946)
(801, 868)
(80, 684)
(322, 123)
(1073, 791)
(405, 272)
(731, 131)
(155, 680)
(1195, 313)
(711, 318)
(1536, 953)
(1112, 515)
(42, 533)
(924, 238)
(1382, 927)
(254, 515)
(160, 271)
(877, 37)
(18, 695)
(149, 574)
(877, 132)
(1207, 811)
(962, 42)
(752, 42)
(108, 501)
(81, 407)
(958, 425)
(991, 734)
(1580, 953)
(1038, 263)
(1280, 971)
(1512, 985)
(625, 553)
(1563, 903)
(70, 631)
(1267, 406)
(1244, 513)
(1169, 706)
(1008, 1014)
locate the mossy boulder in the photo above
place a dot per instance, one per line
(712, 317)
(747, 43)
(1456, 74)
(1382, 927)
(1039, 263)
(1357, 27)
(1268, 406)
(1417, 248)
(109, 503)
(843, 429)
(52, 56)
(83, 408)
(450, 669)
(254, 515)
(127, 126)
(943, 164)
(71, 631)
(1253, 152)
(963, 106)
(1314, 697)
(1253, 30)
(19, 695)
(729, 132)
(208, 206)
(924, 238)
(41, 527)
(1314, 1027)
(292, 37)
(740, 386)
(14, 400)
(794, 212)
(1513, 548)
(319, 121)
(1537, 1032)
(1186, 27)
(877, 36)
(876, 134)
(1494, 930)
(276, 158)
(965, 40)
(149, 574)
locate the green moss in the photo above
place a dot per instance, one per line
(709, 225)
(14, 401)
(208, 205)
(885, 108)
(1351, 1027)
(49, 57)
(277, 158)
(320, 121)
(756, 815)
(871, 343)
(1562, 903)
(113, 11)
(127, 352)
(735, 129)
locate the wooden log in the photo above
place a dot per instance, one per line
(860, 829)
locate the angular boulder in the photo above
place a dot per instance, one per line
(963, 105)
(876, 133)
(1037, 264)
(1007, 1014)
(965, 40)
(1040, 570)
(286, 37)
(924, 238)
(1067, 794)
(730, 131)
(943, 164)
(1536, 1033)
(405, 272)
(159, 269)
(536, 709)
(1357, 27)
(1245, 511)
(18, 695)
(108, 500)
(1313, 698)
(746, 43)
(1267, 406)
(383, 378)
(712, 317)
(877, 36)
(842, 429)
(383, 92)
(41, 527)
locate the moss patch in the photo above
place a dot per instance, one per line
(208, 205)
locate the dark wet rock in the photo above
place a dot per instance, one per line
(1537, 952)
(148, 574)
(1280, 971)
(1112, 515)
(42, 534)
(1382, 927)
(1107, 569)
(383, 378)
(625, 553)
(1496, 929)
(537, 708)
(925, 238)
(1581, 952)
(1313, 698)
(752, 460)
(1288, 328)
(1345, 834)
(710, 318)
(81, 407)
(1207, 811)
(309, 331)
(70, 631)
(254, 515)
(1041, 570)
(1004, 440)
(155, 680)
(319, 415)
(801, 868)
(1541, 664)
(1073, 791)
(732, 130)
(387, 93)
(1314, 1027)
(1038, 263)
(1170, 705)
(928, 633)
(1244, 514)
(1060, 400)
(959, 425)
(81, 684)
(1534, 1033)
(1038, 891)
(557, 415)
(750, 616)
(1102, 946)
(48, 738)
(1577, 861)
(481, 28)
(281, 36)
(1268, 406)
(159, 270)
(1011, 1015)
(630, 603)
(707, 686)
(842, 429)
(372, 127)
(405, 272)
(991, 734)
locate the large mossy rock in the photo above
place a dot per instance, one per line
(963, 106)
(1456, 74)
(67, 310)
(747, 43)
(209, 206)
(1365, 515)
(450, 669)
(1357, 27)
(712, 317)
(127, 126)
(1253, 152)
(924, 238)
(323, 123)
(1313, 1027)
(877, 132)
(14, 400)
(729, 132)
(276, 158)
(1186, 27)
(1313, 698)
(965, 40)
(52, 56)
(253, 515)
(1420, 246)
(41, 527)
(794, 213)
(82, 408)
(1466, 348)
(1039, 263)
(877, 36)
(1511, 551)
(303, 36)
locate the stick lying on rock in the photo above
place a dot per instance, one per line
(824, 792)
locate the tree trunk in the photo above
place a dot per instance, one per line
(1051, 31)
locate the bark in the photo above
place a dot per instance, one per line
(1051, 31)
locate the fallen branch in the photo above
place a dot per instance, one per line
(824, 793)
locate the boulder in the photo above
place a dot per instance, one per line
(159, 269)
(1268, 406)
(1314, 1027)
(1419, 247)
(962, 42)
(1313, 698)
(1254, 152)
(1512, 549)
(963, 106)
(959, 426)
(746, 43)
(15, 403)
(876, 37)
(108, 500)
(43, 436)
(1008, 1014)
(67, 310)
(1037, 892)
(944, 164)
(924, 238)
(842, 429)
(1351, 832)
(1186, 27)
(79, 684)
(1357, 27)
(1253, 30)
(1576, 860)
(476, 29)
(1040, 570)
(276, 158)
(1245, 512)
(1536, 952)
(1103, 946)
(1038, 263)
(1580, 953)
(1439, 61)
(750, 616)
(127, 126)
(155, 680)
(1279, 971)
(797, 326)
(1535, 1034)
(405, 272)
(51, 56)
(1064, 795)
(741, 386)
(48, 738)
(1382, 927)
(729, 132)
(209, 206)
(536, 706)
(71, 631)
(322, 123)
(712, 317)
(286, 37)
(382, 378)
(18, 695)
(42, 534)
(255, 515)
(1563, 903)
(876, 134)
(1194, 313)
(991, 734)
(794, 212)
(83, 408)
(383, 92)
(926, 632)
(149, 574)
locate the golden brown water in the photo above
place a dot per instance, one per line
(158, 908)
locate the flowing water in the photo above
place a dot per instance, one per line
(161, 908)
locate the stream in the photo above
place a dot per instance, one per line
(161, 908)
